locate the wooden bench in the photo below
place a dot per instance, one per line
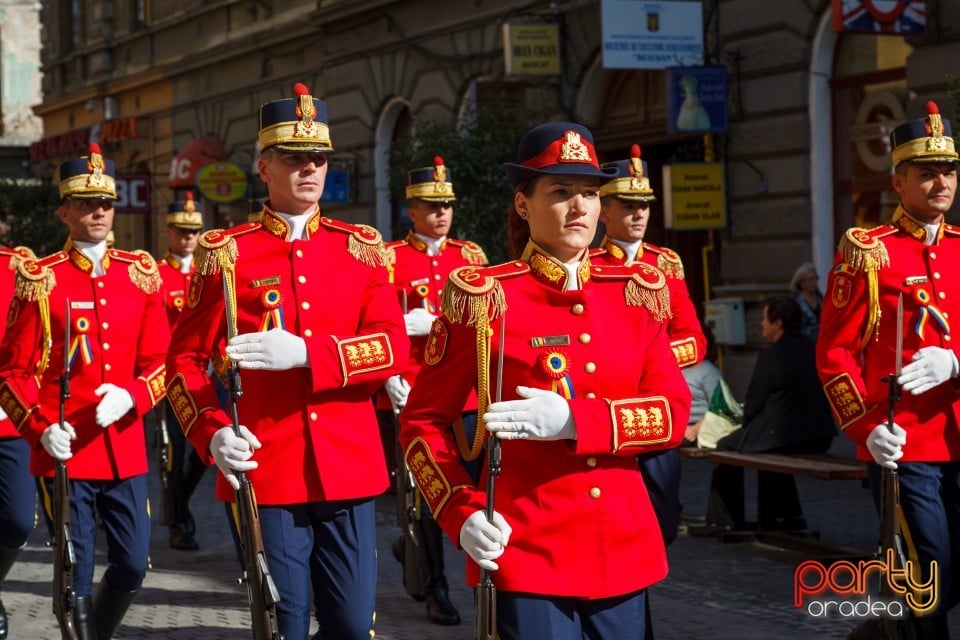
(815, 465)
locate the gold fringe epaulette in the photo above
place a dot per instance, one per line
(668, 261)
(646, 286)
(473, 295)
(365, 243)
(470, 251)
(862, 249)
(217, 248)
(143, 268)
(35, 279)
(16, 255)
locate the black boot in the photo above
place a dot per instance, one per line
(109, 607)
(8, 556)
(439, 608)
(83, 619)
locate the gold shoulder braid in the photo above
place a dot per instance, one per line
(34, 284)
(671, 265)
(863, 251)
(473, 253)
(366, 245)
(215, 249)
(647, 287)
(144, 273)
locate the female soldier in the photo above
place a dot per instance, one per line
(588, 381)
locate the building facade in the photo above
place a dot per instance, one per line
(19, 87)
(804, 155)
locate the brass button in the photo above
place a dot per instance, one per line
(307, 333)
(941, 295)
(304, 305)
(946, 338)
(302, 279)
(103, 302)
(595, 493)
(106, 346)
(590, 367)
(590, 395)
(936, 275)
(107, 367)
(106, 325)
(584, 338)
(436, 276)
(576, 309)
(100, 284)
(299, 253)
(313, 415)
(933, 255)
(591, 461)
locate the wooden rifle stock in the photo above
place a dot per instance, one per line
(261, 590)
(486, 625)
(64, 559)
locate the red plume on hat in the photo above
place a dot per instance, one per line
(636, 166)
(189, 206)
(304, 110)
(439, 170)
(934, 120)
(95, 161)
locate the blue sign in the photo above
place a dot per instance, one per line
(337, 186)
(697, 99)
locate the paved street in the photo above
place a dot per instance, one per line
(715, 590)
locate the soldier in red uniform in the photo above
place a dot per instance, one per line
(318, 326)
(588, 381)
(420, 264)
(118, 344)
(913, 256)
(184, 223)
(17, 489)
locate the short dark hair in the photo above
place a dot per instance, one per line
(784, 309)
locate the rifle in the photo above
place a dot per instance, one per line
(64, 559)
(891, 539)
(261, 590)
(168, 497)
(486, 626)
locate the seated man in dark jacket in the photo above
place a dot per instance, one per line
(785, 411)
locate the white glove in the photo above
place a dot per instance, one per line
(57, 441)
(544, 415)
(483, 541)
(886, 447)
(114, 402)
(398, 389)
(931, 366)
(3, 414)
(418, 322)
(274, 350)
(232, 453)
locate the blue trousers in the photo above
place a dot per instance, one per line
(661, 474)
(122, 505)
(330, 547)
(930, 499)
(18, 493)
(524, 616)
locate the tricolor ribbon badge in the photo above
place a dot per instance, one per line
(81, 343)
(555, 363)
(273, 314)
(928, 310)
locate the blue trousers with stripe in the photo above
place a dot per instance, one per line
(330, 547)
(524, 616)
(18, 493)
(122, 505)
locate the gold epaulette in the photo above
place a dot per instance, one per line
(35, 278)
(217, 248)
(474, 295)
(862, 249)
(645, 286)
(143, 268)
(17, 254)
(668, 261)
(470, 251)
(365, 243)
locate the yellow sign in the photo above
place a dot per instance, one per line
(531, 49)
(222, 182)
(695, 196)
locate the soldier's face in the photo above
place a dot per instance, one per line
(926, 189)
(562, 213)
(431, 219)
(294, 180)
(183, 242)
(89, 219)
(626, 220)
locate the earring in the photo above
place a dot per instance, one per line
(522, 214)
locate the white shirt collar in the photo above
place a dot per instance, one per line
(297, 224)
(629, 248)
(185, 262)
(433, 244)
(95, 251)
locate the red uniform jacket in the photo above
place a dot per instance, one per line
(419, 278)
(8, 264)
(687, 341)
(317, 424)
(175, 284)
(118, 335)
(856, 347)
(583, 525)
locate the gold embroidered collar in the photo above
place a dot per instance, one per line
(550, 270)
(617, 252)
(414, 241)
(173, 261)
(905, 222)
(275, 225)
(80, 259)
